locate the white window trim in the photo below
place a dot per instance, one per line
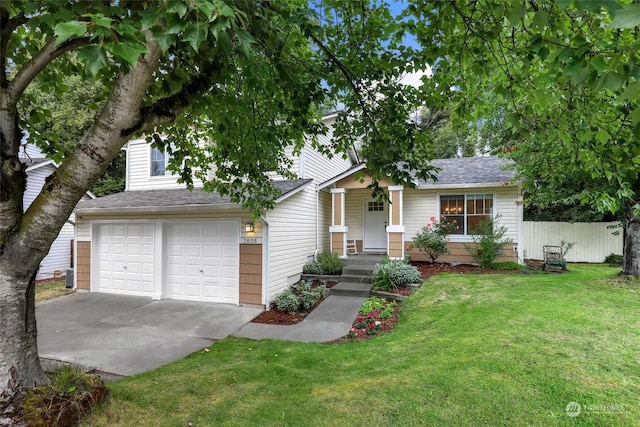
(465, 238)
(167, 173)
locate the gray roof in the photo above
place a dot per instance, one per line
(155, 200)
(471, 170)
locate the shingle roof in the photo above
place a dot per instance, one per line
(159, 199)
(471, 170)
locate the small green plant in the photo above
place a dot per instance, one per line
(287, 301)
(489, 241)
(393, 274)
(308, 298)
(565, 247)
(313, 267)
(331, 263)
(372, 303)
(614, 260)
(431, 240)
(388, 311)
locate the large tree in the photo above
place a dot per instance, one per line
(248, 77)
(564, 77)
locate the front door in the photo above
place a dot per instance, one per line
(375, 225)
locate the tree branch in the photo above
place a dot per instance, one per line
(43, 58)
(7, 26)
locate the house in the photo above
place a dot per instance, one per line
(159, 240)
(60, 256)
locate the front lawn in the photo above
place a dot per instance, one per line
(52, 289)
(469, 349)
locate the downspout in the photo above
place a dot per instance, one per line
(127, 167)
(315, 253)
(267, 259)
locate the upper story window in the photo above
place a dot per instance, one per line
(159, 161)
(467, 210)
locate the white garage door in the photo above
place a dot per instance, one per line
(202, 261)
(125, 258)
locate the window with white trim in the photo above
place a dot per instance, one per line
(466, 211)
(159, 162)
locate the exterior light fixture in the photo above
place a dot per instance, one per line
(248, 227)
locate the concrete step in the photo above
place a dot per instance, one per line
(355, 278)
(362, 259)
(355, 289)
(357, 270)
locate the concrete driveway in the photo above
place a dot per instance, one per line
(127, 335)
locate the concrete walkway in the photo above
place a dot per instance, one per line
(330, 320)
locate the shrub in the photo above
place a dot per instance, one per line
(431, 240)
(388, 311)
(489, 241)
(309, 298)
(313, 267)
(372, 303)
(330, 262)
(287, 301)
(391, 274)
(614, 260)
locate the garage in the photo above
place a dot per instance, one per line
(202, 260)
(125, 258)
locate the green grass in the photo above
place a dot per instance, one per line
(469, 350)
(51, 290)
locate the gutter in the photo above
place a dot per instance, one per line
(267, 259)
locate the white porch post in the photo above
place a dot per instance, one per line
(395, 229)
(338, 230)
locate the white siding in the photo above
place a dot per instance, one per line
(593, 241)
(421, 205)
(318, 166)
(324, 221)
(295, 166)
(139, 170)
(292, 237)
(59, 256)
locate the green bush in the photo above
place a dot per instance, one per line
(392, 274)
(331, 263)
(313, 267)
(309, 298)
(431, 240)
(614, 260)
(372, 303)
(287, 301)
(489, 241)
(325, 263)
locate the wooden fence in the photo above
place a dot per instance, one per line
(593, 240)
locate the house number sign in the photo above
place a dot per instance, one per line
(250, 240)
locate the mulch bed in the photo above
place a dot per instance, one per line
(428, 269)
(275, 317)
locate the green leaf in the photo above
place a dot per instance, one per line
(225, 42)
(603, 136)
(99, 20)
(514, 13)
(541, 19)
(94, 57)
(177, 7)
(68, 30)
(245, 40)
(626, 17)
(164, 40)
(129, 51)
(195, 36)
(598, 64)
(635, 116)
(614, 81)
(631, 92)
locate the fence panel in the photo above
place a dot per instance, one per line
(593, 240)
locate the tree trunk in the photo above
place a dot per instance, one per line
(26, 237)
(19, 365)
(632, 245)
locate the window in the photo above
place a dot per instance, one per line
(159, 161)
(467, 210)
(375, 206)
